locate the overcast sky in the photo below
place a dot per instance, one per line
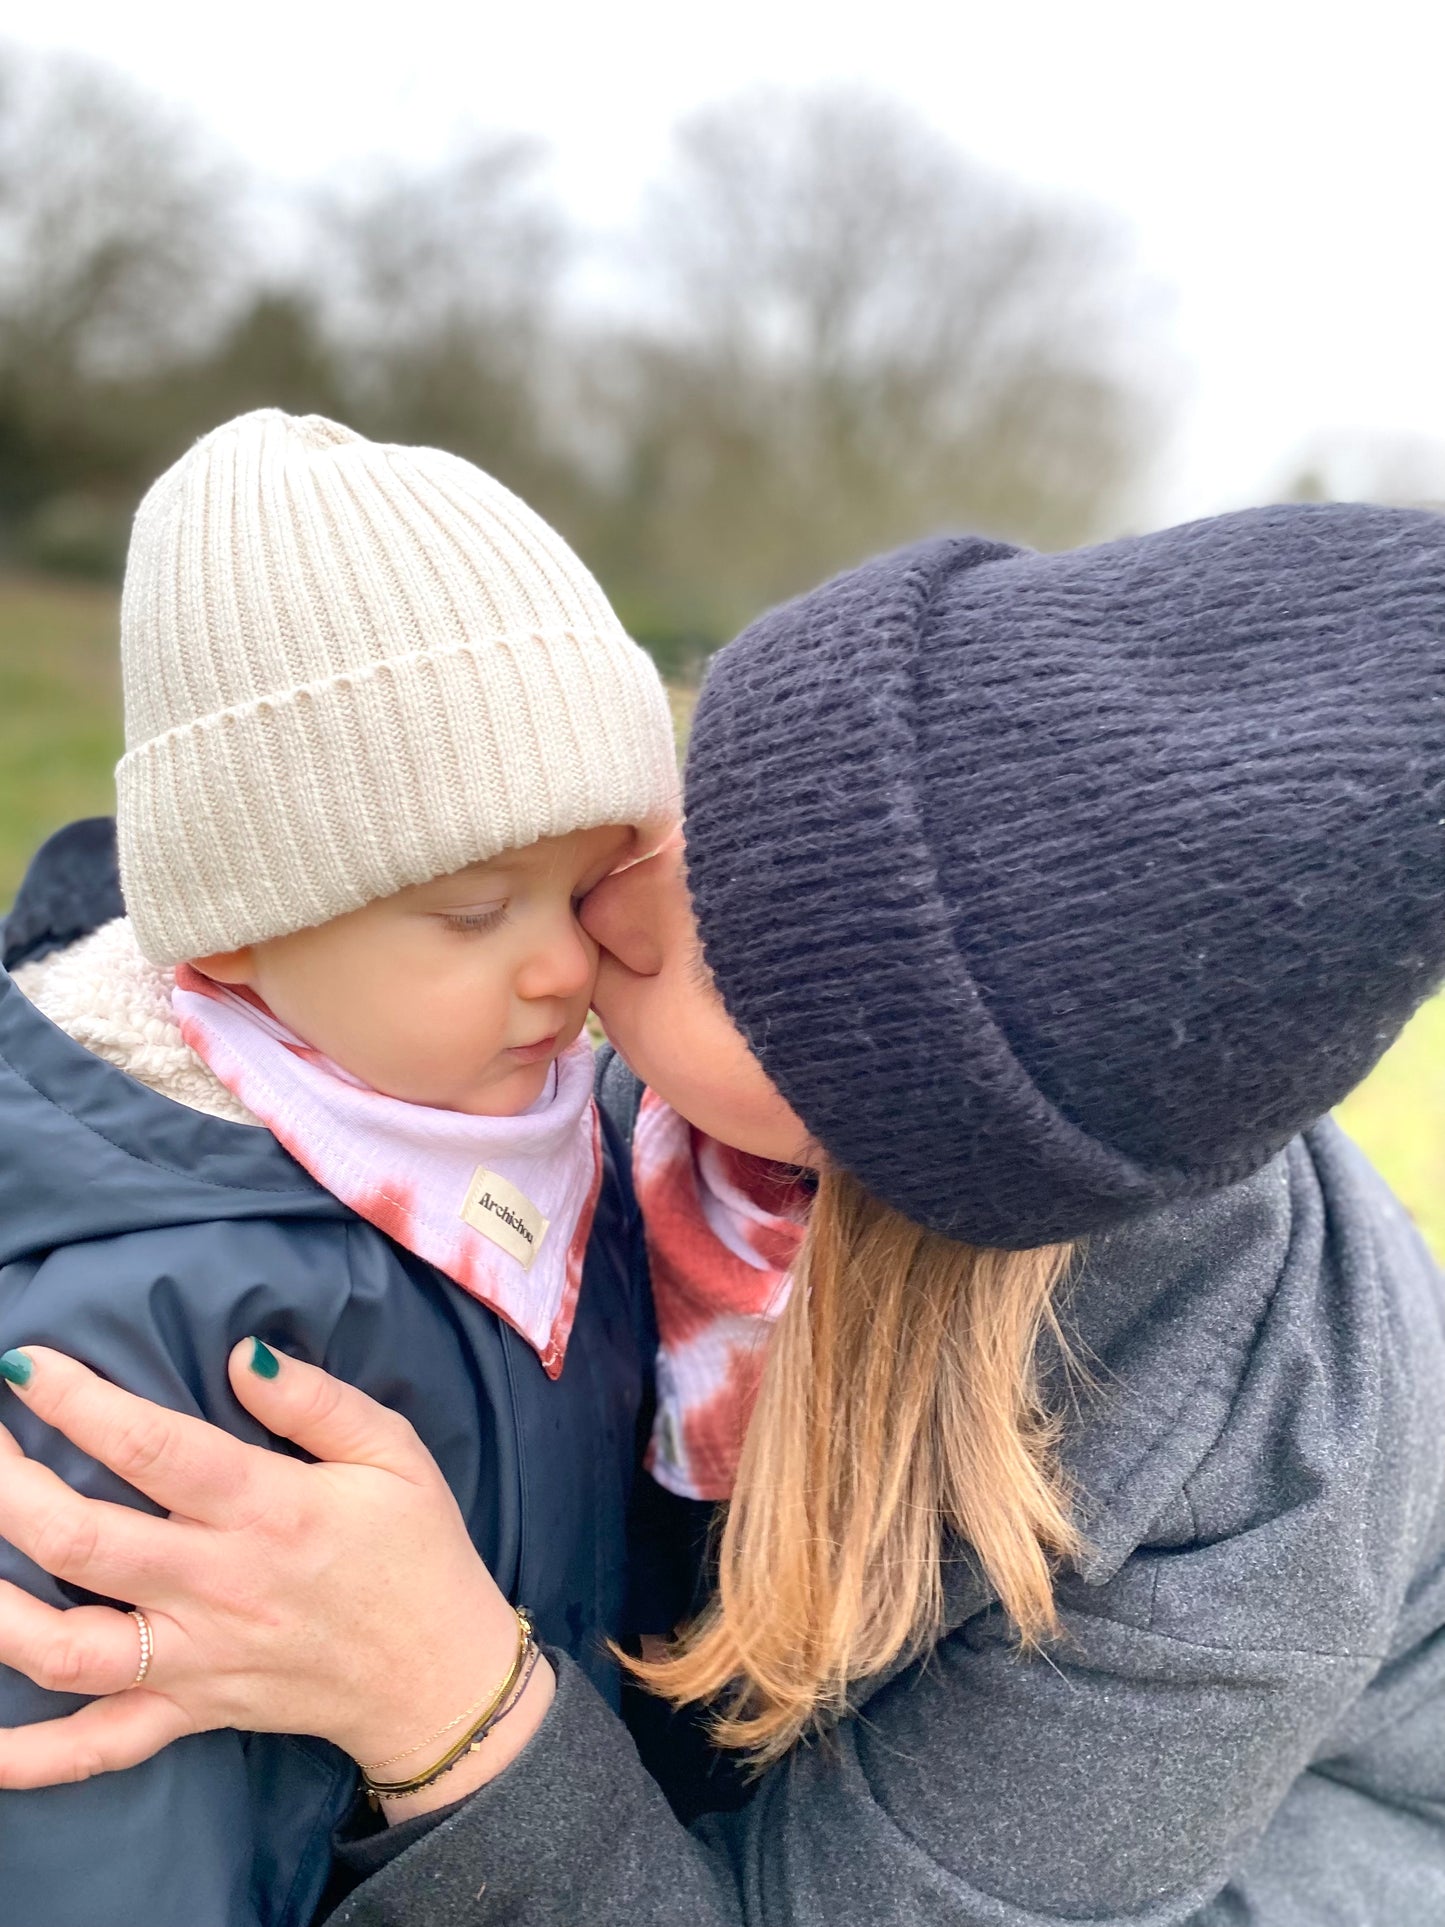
(1283, 175)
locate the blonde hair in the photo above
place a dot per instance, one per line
(899, 1409)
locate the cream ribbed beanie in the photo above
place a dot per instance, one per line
(348, 668)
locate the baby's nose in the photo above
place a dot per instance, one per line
(564, 966)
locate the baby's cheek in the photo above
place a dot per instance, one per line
(472, 1024)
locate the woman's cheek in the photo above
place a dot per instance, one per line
(693, 1058)
(617, 996)
(654, 1034)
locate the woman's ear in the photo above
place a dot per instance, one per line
(229, 966)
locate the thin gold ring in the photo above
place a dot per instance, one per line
(147, 1645)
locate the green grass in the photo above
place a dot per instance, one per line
(1398, 1115)
(59, 714)
(60, 737)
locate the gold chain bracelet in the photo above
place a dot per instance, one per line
(376, 1794)
(477, 1706)
(496, 1705)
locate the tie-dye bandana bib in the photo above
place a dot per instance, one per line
(722, 1230)
(502, 1205)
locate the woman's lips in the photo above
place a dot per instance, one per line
(534, 1053)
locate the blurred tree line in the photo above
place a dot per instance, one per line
(1370, 465)
(828, 332)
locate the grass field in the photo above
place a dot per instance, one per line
(60, 736)
(59, 714)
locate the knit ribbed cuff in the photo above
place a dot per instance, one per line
(286, 812)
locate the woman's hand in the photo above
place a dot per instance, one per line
(342, 1599)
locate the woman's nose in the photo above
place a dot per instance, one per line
(621, 916)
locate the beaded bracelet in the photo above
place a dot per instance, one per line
(497, 1707)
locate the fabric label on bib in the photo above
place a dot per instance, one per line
(500, 1212)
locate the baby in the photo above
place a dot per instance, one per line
(326, 1082)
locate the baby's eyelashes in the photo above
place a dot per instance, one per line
(473, 918)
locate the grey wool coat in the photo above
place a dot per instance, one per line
(1244, 1724)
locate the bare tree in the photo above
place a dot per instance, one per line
(841, 334)
(117, 255)
(443, 287)
(115, 234)
(854, 336)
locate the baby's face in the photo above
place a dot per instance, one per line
(457, 993)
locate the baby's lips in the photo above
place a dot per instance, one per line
(534, 1052)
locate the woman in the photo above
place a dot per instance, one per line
(1093, 1506)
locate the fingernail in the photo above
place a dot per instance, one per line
(264, 1362)
(16, 1367)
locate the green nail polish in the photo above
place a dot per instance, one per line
(264, 1362)
(16, 1367)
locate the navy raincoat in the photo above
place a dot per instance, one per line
(145, 1239)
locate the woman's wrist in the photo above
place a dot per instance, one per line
(400, 1707)
(475, 1738)
(410, 1768)
(492, 1755)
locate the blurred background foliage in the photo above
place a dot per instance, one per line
(828, 331)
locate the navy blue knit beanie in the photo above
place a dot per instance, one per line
(1049, 888)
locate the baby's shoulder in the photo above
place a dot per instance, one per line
(182, 1278)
